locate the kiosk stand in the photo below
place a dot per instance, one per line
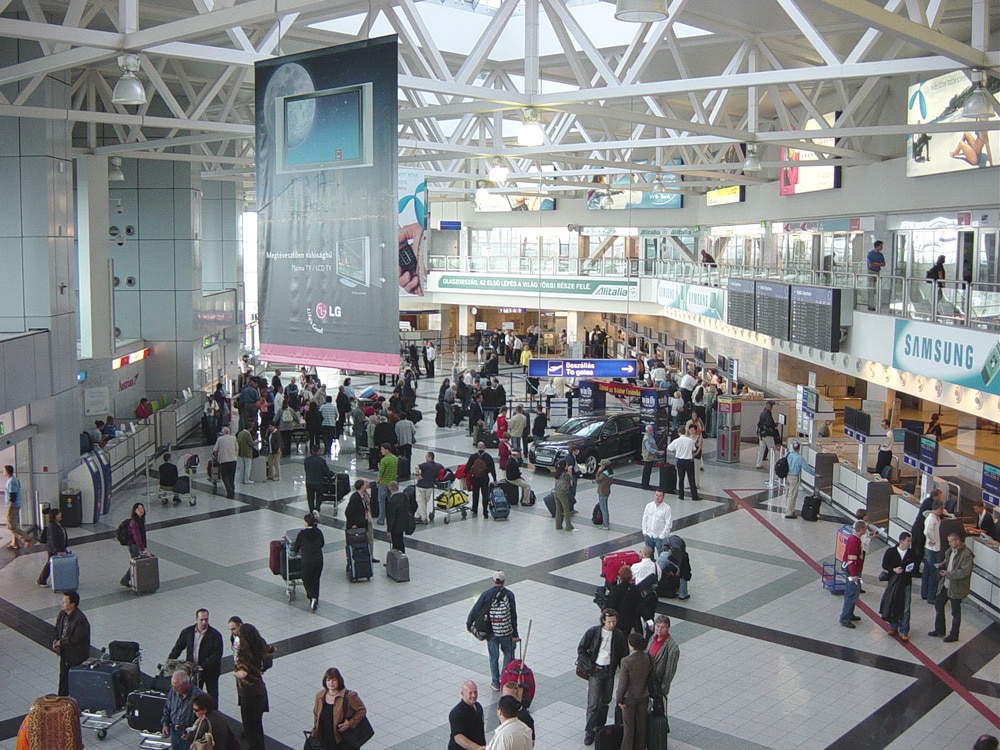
(728, 429)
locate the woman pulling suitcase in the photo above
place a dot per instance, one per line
(309, 546)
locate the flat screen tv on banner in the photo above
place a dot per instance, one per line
(329, 246)
(941, 100)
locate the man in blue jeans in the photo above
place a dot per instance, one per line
(852, 559)
(498, 604)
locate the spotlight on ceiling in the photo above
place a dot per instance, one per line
(115, 173)
(979, 104)
(129, 91)
(498, 172)
(531, 133)
(751, 163)
(641, 11)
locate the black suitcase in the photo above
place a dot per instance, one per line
(512, 492)
(668, 478)
(102, 685)
(457, 414)
(374, 456)
(810, 507)
(439, 414)
(359, 559)
(550, 503)
(411, 498)
(609, 737)
(291, 566)
(415, 415)
(144, 711)
(124, 651)
(490, 439)
(402, 468)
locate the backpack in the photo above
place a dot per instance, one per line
(499, 615)
(781, 467)
(478, 469)
(122, 533)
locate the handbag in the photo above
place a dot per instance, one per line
(584, 666)
(311, 742)
(205, 742)
(357, 736)
(883, 575)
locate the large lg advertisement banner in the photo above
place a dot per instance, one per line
(328, 241)
(941, 100)
(805, 179)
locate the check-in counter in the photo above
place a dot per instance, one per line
(853, 491)
(174, 422)
(986, 574)
(903, 509)
(818, 476)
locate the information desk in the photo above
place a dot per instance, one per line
(853, 491)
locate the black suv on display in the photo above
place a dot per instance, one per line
(615, 436)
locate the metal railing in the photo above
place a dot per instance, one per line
(959, 303)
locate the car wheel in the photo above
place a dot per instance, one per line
(590, 464)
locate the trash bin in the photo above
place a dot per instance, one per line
(71, 505)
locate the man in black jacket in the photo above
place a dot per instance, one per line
(203, 646)
(602, 664)
(481, 469)
(317, 471)
(72, 640)
(476, 413)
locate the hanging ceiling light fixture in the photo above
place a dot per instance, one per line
(498, 172)
(979, 104)
(751, 163)
(115, 173)
(531, 133)
(129, 91)
(641, 11)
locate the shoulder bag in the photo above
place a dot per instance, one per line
(355, 737)
(206, 741)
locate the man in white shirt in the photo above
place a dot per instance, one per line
(657, 520)
(645, 567)
(687, 385)
(512, 734)
(684, 447)
(932, 551)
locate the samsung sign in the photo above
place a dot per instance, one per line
(954, 355)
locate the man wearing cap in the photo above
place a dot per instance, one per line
(794, 478)
(898, 562)
(497, 603)
(766, 430)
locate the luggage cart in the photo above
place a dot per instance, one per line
(182, 489)
(101, 720)
(452, 500)
(291, 565)
(143, 708)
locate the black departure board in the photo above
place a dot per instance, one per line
(739, 303)
(816, 317)
(772, 309)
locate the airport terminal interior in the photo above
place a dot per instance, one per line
(802, 195)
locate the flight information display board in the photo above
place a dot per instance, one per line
(815, 319)
(771, 308)
(991, 484)
(739, 303)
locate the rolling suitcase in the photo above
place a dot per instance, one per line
(490, 439)
(668, 478)
(274, 556)
(512, 492)
(439, 414)
(810, 507)
(499, 507)
(54, 722)
(531, 498)
(127, 651)
(145, 574)
(291, 565)
(550, 503)
(144, 711)
(415, 415)
(657, 729)
(609, 737)
(64, 572)
(517, 671)
(612, 563)
(411, 498)
(359, 559)
(397, 566)
(102, 685)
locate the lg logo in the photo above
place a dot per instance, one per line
(324, 310)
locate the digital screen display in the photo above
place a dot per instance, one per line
(928, 450)
(815, 317)
(812, 401)
(911, 444)
(324, 129)
(772, 309)
(991, 484)
(740, 303)
(722, 364)
(700, 354)
(722, 196)
(679, 346)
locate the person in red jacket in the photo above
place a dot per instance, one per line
(852, 561)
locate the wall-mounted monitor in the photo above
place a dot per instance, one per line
(722, 364)
(700, 354)
(928, 450)
(329, 129)
(991, 484)
(812, 400)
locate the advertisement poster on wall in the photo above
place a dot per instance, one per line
(959, 356)
(330, 248)
(412, 219)
(621, 191)
(803, 178)
(941, 100)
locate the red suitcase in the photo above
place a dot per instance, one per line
(612, 563)
(54, 722)
(274, 556)
(517, 671)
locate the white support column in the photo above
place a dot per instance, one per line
(96, 300)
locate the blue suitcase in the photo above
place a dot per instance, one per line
(64, 572)
(499, 507)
